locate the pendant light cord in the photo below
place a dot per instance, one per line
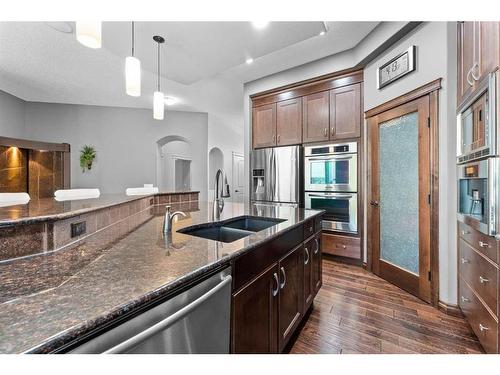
(133, 39)
(158, 66)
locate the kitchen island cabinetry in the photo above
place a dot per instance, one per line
(273, 287)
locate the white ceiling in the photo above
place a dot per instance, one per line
(38, 63)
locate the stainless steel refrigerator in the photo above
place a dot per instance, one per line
(277, 175)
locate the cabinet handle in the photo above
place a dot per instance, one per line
(317, 246)
(274, 138)
(275, 292)
(310, 229)
(325, 132)
(284, 278)
(307, 253)
(484, 244)
(468, 80)
(464, 261)
(483, 328)
(483, 280)
(476, 65)
(278, 138)
(464, 299)
(332, 131)
(465, 232)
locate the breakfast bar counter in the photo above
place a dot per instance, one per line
(48, 301)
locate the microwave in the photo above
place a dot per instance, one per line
(478, 197)
(476, 123)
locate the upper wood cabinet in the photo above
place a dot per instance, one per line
(264, 126)
(316, 117)
(478, 53)
(289, 122)
(345, 112)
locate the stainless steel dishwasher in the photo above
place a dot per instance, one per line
(195, 321)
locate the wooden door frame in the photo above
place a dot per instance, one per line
(430, 90)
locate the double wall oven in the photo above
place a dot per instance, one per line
(478, 170)
(331, 184)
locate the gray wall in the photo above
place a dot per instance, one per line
(11, 116)
(436, 58)
(125, 139)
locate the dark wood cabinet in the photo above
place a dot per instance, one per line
(345, 112)
(316, 117)
(264, 126)
(317, 263)
(289, 122)
(478, 54)
(255, 315)
(308, 274)
(291, 278)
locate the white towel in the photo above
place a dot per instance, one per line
(11, 199)
(142, 191)
(74, 194)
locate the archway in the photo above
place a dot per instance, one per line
(215, 161)
(174, 158)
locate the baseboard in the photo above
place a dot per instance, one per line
(452, 310)
(341, 259)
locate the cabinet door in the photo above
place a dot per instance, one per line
(255, 315)
(315, 117)
(291, 275)
(487, 44)
(345, 112)
(465, 51)
(308, 274)
(317, 270)
(264, 125)
(289, 122)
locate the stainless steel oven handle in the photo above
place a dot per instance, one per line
(332, 195)
(343, 157)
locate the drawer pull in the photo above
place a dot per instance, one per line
(465, 299)
(483, 328)
(465, 261)
(317, 246)
(484, 244)
(483, 280)
(465, 232)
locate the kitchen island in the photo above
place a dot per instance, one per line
(50, 301)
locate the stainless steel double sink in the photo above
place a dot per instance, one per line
(232, 229)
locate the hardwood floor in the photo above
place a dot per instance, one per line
(357, 312)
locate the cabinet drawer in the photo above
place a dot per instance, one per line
(482, 322)
(484, 244)
(480, 274)
(308, 228)
(341, 245)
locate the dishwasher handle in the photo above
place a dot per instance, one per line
(167, 322)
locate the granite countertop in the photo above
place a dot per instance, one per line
(49, 300)
(49, 209)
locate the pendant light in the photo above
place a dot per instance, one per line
(89, 33)
(158, 97)
(133, 71)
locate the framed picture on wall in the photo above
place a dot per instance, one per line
(397, 67)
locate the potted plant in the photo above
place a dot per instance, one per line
(87, 156)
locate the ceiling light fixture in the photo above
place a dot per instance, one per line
(260, 24)
(249, 60)
(89, 33)
(170, 100)
(158, 97)
(133, 71)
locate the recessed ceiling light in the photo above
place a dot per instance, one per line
(260, 24)
(322, 33)
(62, 27)
(249, 60)
(170, 100)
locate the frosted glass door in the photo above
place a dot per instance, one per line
(399, 192)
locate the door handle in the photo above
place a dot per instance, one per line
(374, 203)
(483, 328)
(484, 244)
(483, 280)
(476, 65)
(325, 132)
(317, 246)
(278, 138)
(332, 131)
(464, 299)
(275, 292)
(468, 76)
(307, 253)
(464, 261)
(284, 278)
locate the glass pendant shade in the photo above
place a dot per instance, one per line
(158, 105)
(133, 76)
(88, 33)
